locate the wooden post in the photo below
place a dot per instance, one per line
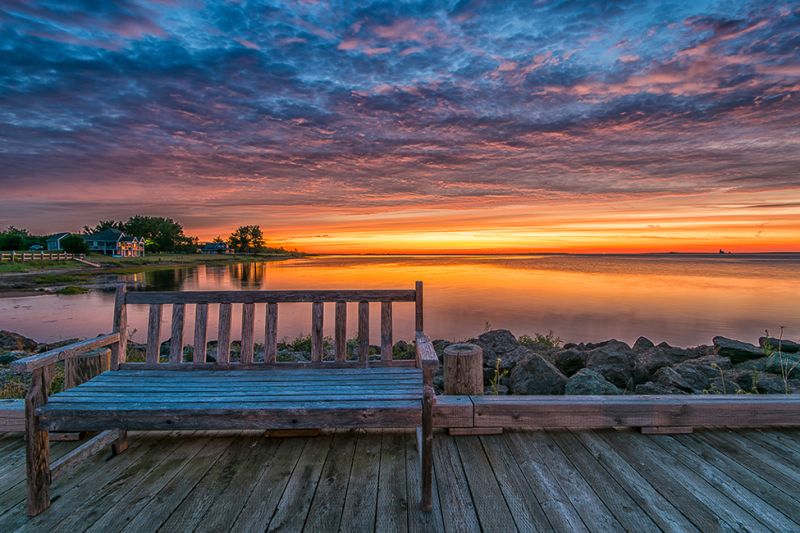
(224, 333)
(119, 351)
(386, 331)
(426, 452)
(82, 368)
(37, 447)
(418, 307)
(271, 333)
(341, 331)
(176, 336)
(363, 332)
(317, 311)
(463, 369)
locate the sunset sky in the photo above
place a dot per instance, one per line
(409, 127)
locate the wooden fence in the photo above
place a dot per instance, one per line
(39, 256)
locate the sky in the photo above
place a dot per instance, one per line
(390, 126)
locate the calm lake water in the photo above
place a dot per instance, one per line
(684, 300)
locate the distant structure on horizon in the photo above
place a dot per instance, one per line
(54, 241)
(210, 248)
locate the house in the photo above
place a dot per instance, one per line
(215, 248)
(54, 241)
(115, 243)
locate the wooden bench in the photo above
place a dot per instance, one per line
(224, 394)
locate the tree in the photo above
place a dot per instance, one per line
(12, 239)
(247, 239)
(161, 234)
(74, 244)
(104, 225)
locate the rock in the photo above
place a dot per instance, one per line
(439, 345)
(773, 343)
(774, 364)
(614, 342)
(698, 373)
(652, 387)
(737, 351)
(643, 343)
(14, 342)
(535, 375)
(615, 361)
(569, 361)
(646, 363)
(496, 343)
(587, 381)
(671, 379)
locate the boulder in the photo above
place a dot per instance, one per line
(14, 342)
(698, 373)
(496, 343)
(652, 387)
(774, 364)
(647, 362)
(773, 343)
(615, 361)
(535, 375)
(569, 361)
(671, 379)
(587, 381)
(601, 344)
(737, 351)
(643, 343)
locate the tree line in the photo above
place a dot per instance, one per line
(160, 234)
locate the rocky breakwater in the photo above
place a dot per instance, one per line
(727, 366)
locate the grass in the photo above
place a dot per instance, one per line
(787, 366)
(59, 278)
(16, 267)
(71, 290)
(539, 340)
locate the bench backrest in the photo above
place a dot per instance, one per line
(250, 300)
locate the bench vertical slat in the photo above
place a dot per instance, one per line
(224, 334)
(418, 306)
(248, 321)
(176, 337)
(271, 333)
(317, 311)
(341, 331)
(363, 331)
(119, 351)
(153, 334)
(200, 324)
(386, 331)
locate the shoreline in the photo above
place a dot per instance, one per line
(46, 277)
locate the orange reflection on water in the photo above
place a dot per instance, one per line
(684, 300)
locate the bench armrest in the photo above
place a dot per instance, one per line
(427, 359)
(29, 364)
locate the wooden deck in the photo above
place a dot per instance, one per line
(602, 480)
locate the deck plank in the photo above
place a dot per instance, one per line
(418, 520)
(362, 492)
(325, 513)
(392, 497)
(457, 506)
(296, 500)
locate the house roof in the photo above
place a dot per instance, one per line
(215, 246)
(107, 235)
(57, 236)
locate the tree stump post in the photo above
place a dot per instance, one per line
(84, 367)
(463, 369)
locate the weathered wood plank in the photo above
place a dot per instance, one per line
(392, 498)
(656, 505)
(386, 331)
(176, 336)
(555, 503)
(325, 512)
(271, 333)
(73, 459)
(360, 503)
(42, 360)
(419, 322)
(419, 520)
(296, 500)
(248, 322)
(155, 297)
(153, 352)
(119, 351)
(490, 505)
(576, 458)
(267, 491)
(200, 326)
(579, 412)
(525, 509)
(224, 333)
(317, 314)
(363, 332)
(459, 510)
(340, 332)
(37, 447)
(81, 368)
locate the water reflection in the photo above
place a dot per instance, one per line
(684, 300)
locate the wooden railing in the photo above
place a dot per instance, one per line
(39, 256)
(249, 301)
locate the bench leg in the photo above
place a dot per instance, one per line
(121, 444)
(427, 447)
(37, 448)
